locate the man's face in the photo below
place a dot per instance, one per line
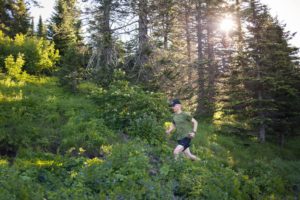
(176, 108)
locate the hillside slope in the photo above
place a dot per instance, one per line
(110, 144)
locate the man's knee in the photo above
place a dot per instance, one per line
(177, 150)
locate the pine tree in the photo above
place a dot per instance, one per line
(261, 94)
(162, 19)
(31, 31)
(64, 30)
(63, 26)
(41, 29)
(280, 82)
(103, 33)
(14, 17)
(21, 18)
(4, 16)
(105, 55)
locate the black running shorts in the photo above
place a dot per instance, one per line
(185, 142)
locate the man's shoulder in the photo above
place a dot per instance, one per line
(186, 114)
(181, 115)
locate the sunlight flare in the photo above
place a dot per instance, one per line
(227, 24)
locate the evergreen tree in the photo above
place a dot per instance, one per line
(4, 16)
(261, 96)
(162, 21)
(21, 18)
(71, 67)
(64, 30)
(105, 55)
(14, 17)
(31, 31)
(41, 29)
(280, 82)
(103, 34)
(63, 27)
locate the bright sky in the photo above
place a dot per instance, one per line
(286, 10)
(45, 11)
(288, 13)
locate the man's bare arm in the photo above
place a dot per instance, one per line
(172, 127)
(195, 126)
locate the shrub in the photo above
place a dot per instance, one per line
(85, 136)
(125, 175)
(132, 110)
(15, 186)
(46, 118)
(39, 54)
(14, 68)
(147, 127)
(71, 70)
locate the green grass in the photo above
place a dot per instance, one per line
(247, 155)
(64, 150)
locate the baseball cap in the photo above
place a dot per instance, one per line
(174, 102)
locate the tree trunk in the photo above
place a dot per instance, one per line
(211, 64)
(201, 89)
(239, 25)
(187, 11)
(143, 32)
(166, 24)
(261, 114)
(107, 52)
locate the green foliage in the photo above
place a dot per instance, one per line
(86, 135)
(41, 31)
(71, 69)
(125, 175)
(261, 92)
(15, 186)
(147, 127)
(14, 68)
(64, 25)
(58, 145)
(54, 120)
(14, 18)
(132, 110)
(39, 54)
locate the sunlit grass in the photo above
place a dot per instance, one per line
(47, 163)
(3, 162)
(15, 96)
(93, 161)
(107, 149)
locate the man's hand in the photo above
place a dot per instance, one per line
(191, 135)
(170, 129)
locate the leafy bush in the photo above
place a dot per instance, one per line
(86, 135)
(14, 68)
(132, 110)
(147, 127)
(125, 175)
(39, 54)
(46, 118)
(15, 186)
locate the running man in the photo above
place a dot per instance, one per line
(186, 128)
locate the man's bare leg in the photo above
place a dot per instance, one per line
(188, 153)
(178, 149)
